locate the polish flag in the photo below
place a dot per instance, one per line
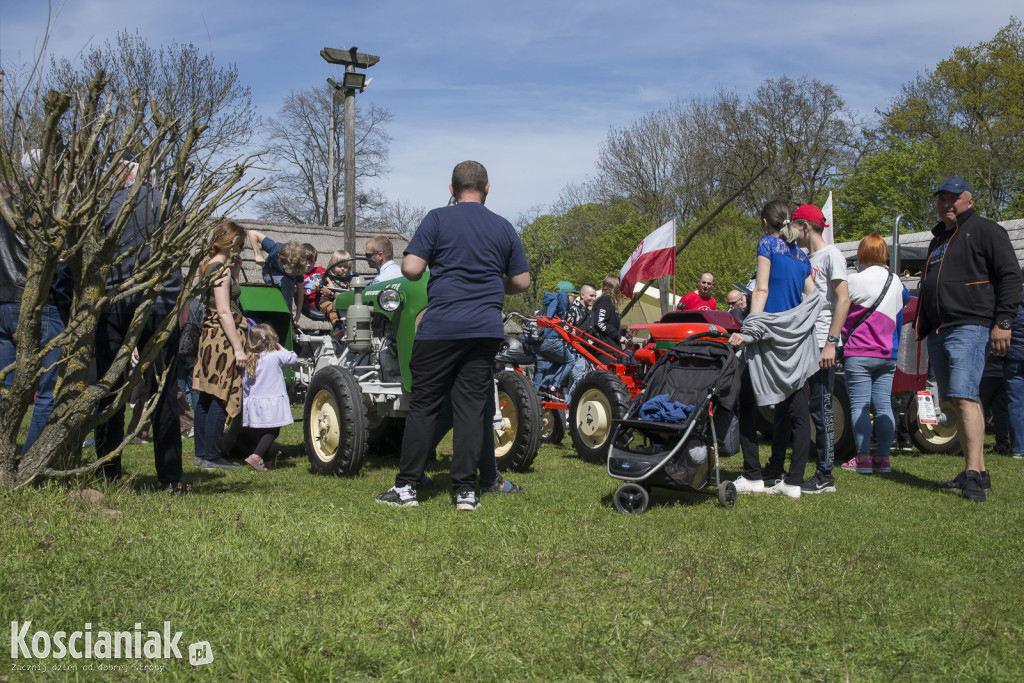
(655, 256)
(828, 234)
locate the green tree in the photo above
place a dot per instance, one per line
(726, 248)
(897, 180)
(969, 107)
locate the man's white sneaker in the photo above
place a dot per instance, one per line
(744, 485)
(783, 489)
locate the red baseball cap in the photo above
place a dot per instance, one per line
(810, 212)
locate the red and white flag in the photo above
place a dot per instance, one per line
(828, 233)
(654, 257)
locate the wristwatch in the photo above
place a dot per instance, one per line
(1004, 324)
(832, 338)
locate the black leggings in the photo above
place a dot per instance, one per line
(258, 440)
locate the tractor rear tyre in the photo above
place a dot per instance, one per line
(599, 398)
(334, 422)
(516, 446)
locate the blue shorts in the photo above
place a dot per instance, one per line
(957, 357)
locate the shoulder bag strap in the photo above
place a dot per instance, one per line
(874, 307)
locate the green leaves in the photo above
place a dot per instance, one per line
(969, 110)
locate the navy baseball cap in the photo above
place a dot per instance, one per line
(956, 185)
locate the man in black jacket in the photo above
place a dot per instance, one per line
(114, 326)
(969, 294)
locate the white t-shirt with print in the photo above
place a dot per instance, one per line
(827, 264)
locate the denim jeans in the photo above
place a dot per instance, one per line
(992, 396)
(50, 326)
(210, 416)
(580, 367)
(957, 357)
(869, 382)
(1013, 372)
(185, 368)
(553, 372)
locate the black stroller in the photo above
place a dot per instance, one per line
(703, 375)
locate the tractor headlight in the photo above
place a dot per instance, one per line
(389, 299)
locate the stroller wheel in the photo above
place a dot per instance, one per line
(631, 499)
(727, 495)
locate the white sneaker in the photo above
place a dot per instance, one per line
(783, 489)
(744, 485)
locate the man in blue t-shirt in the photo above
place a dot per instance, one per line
(475, 258)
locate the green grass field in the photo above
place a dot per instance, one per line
(296, 577)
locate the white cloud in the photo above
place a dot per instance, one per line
(532, 87)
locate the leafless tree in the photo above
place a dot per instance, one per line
(298, 141)
(87, 125)
(398, 215)
(187, 83)
(682, 160)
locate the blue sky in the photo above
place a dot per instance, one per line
(529, 88)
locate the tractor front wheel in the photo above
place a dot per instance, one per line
(334, 422)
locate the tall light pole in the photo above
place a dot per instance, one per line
(332, 199)
(351, 82)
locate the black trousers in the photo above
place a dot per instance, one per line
(794, 411)
(166, 432)
(748, 429)
(464, 368)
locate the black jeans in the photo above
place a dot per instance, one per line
(111, 331)
(748, 429)
(462, 367)
(819, 391)
(793, 411)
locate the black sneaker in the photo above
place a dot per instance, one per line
(905, 447)
(399, 497)
(974, 486)
(954, 485)
(819, 483)
(466, 500)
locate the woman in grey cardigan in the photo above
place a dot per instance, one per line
(778, 335)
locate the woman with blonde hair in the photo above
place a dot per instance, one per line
(872, 331)
(221, 358)
(607, 319)
(781, 354)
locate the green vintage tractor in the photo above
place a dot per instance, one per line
(356, 389)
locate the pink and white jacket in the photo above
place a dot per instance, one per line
(879, 335)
